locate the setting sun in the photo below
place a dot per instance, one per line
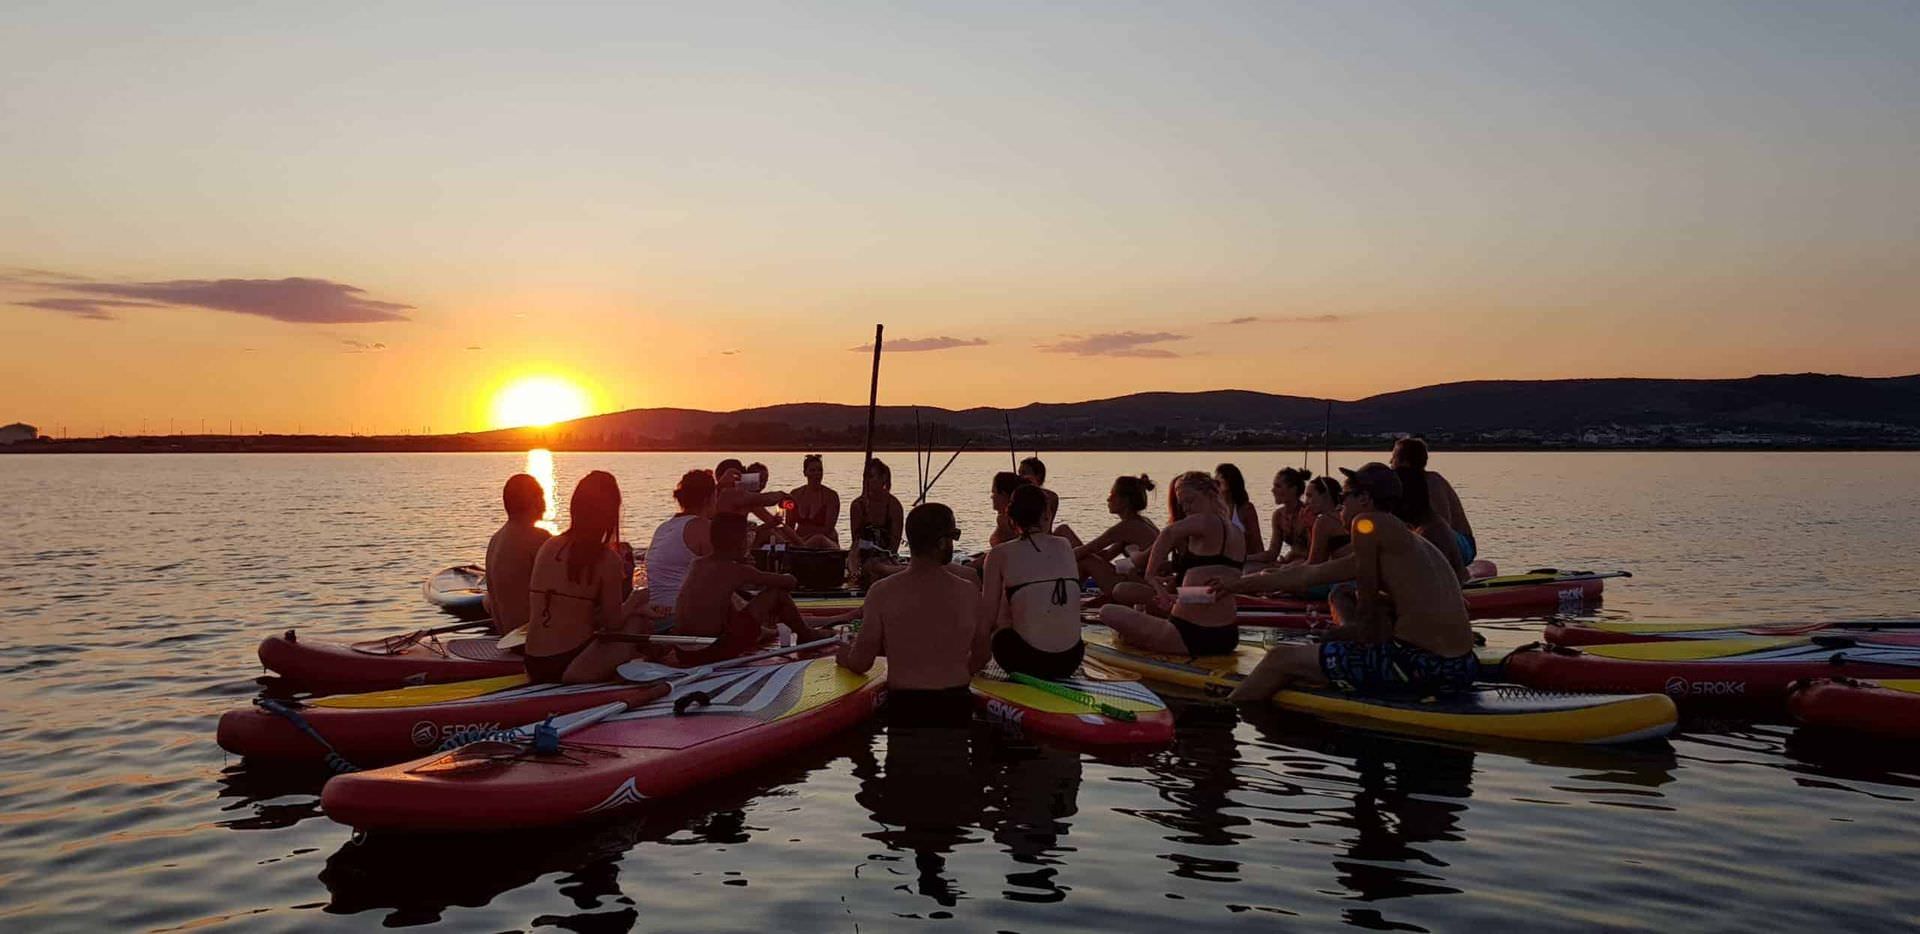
(538, 400)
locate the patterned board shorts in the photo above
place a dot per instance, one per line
(1396, 668)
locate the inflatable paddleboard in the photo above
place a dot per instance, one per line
(1053, 713)
(1492, 711)
(407, 659)
(1889, 707)
(1606, 632)
(1534, 593)
(708, 728)
(394, 726)
(1742, 673)
(461, 590)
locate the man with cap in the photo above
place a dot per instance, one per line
(928, 623)
(1401, 622)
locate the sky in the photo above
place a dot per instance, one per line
(372, 218)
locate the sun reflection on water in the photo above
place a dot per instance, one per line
(540, 466)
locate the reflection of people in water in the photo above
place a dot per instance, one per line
(929, 797)
(1033, 793)
(1402, 795)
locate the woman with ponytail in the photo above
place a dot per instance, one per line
(1132, 534)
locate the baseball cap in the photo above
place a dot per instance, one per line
(1375, 479)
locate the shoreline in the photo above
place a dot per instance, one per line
(326, 444)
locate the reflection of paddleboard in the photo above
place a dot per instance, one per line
(1494, 711)
(1036, 711)
(460, 590)
(749, 716)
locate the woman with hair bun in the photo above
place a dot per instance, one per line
(1241, 513)
(1196, 551)
(1131, 535)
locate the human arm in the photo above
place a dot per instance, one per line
(1456, 514)
(981, 650)
(698, 535)
(1289, 578)
(1250, 521)
(896, 524)
(754, 577)
(1101, 547)
(1320, 549)
(993, 601)
(610, 597)
(869, 643)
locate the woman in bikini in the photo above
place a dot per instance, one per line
(1196, 550)
(1132, 534)
(1032, 588)
(1292, 520)
(1327, 536)
(812, 510)
(877, 521)
(576, 593)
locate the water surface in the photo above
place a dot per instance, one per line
(134, 588)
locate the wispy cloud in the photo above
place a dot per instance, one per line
(92, 309)
(920, 344)
(354, 346)
(1117, 344)
(1288, 319)
(294, 300)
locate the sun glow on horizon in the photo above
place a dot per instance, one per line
(534, 401)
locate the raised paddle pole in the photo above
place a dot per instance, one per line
(873, 397)
(1013, 456)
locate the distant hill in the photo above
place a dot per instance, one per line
(1811, 407)
(1807, 410)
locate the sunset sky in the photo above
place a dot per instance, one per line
(283, 215)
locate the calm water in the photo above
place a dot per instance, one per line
(133, 590)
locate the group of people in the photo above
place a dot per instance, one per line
(1388, 547)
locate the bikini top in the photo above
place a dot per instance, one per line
(1059, 597)
(1187, 561)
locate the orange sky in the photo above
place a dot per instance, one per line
(709, 209)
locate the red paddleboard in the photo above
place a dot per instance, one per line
(378, 664)
(1889, 708)
(752, 715)
(402, 724)
(1754, 674)
(1579, 633)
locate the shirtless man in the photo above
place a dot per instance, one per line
(1402, 628)
(510, 552)
(877, 523)
(929, 625)
(707, 605)
(813, 510)
(1411, 454)
(1034, 471)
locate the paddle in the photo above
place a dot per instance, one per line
(393, 645)
(643, 671)
(1073, 694)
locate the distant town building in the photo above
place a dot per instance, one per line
(18, 432)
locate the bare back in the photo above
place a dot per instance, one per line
(1428, 610)
(510, 557)
(928, 625)
(1034, 582)
(563, 613)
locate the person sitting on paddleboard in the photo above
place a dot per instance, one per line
(1032, 592)
(929, 625)
(740, 491)
(1241, 513)
(1411, 453)
(1327, 536)
(511, 551)
(812, 510)
(1132, 534)
(1034, 471)
(878, 522)
(1209, 550)
(576, 591)
(1418, 513)
(1004, 483)
(709, 606)
(1402, 625)
(1292, 521)
(681, 539)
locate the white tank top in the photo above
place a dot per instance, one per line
(667, 559)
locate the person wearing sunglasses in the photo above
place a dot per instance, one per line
(927, 622)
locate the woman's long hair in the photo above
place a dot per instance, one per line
(1236, 491)
(593, 523)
